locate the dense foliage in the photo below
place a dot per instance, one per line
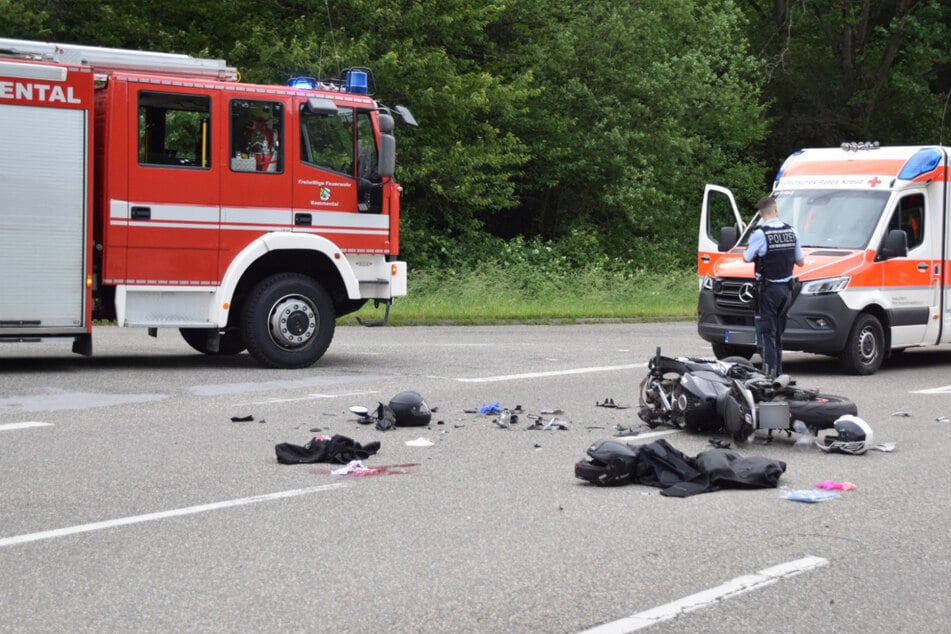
(550, 121)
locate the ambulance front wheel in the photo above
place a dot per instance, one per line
(288, 321)
(865, 348)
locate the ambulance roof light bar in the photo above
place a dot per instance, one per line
(118, 59)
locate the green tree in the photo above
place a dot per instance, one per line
(641, 103)
(847, 70)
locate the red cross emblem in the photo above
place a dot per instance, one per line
(875, 181)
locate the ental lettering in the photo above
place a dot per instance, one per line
(35, 91)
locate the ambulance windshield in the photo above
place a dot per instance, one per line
(843, 219)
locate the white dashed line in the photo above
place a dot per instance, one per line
(728, 590)
(535, 375)
(161, 515)
(24, 425)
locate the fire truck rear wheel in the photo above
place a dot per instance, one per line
(229, 341)
(288, 321)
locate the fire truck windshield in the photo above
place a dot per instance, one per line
(843, 219)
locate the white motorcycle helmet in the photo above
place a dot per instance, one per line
(854, 436)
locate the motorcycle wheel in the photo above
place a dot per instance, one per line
(734, 420)
(821, 411)
(700, 416)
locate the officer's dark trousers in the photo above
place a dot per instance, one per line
(770, 326)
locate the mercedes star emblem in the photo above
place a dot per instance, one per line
(746, 293)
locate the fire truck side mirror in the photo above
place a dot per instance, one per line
(386, 123)
(322, 106)
(387, 163)
(406, 116)
(729, 236)
(895, 245)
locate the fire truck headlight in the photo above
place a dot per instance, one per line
(825, 286)
(706, 283)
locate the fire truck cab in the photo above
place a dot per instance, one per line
(873, 225)
(159, 191)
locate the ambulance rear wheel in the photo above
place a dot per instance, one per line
(229, 341)
(288, 321)
(865, 348)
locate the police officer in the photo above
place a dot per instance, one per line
(775, 247)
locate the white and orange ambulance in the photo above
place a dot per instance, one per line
(873, 224)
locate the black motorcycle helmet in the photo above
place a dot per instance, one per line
(611, 463)
(410, 409)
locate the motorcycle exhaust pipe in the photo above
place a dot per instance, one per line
(781, 382)
(682, 402)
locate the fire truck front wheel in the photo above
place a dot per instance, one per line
(288, 321)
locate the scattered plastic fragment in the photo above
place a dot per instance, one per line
(552, 412)
(830, 485)
(901, 413)
(810, 497)
(553, 424)
(884, 447)
(242, 419)
(609, 402)
(355, 467)
(942, 419)
(491, 408)
(506, 419)
(419, 442)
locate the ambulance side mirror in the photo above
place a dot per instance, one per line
(729, 236)
(895, 245)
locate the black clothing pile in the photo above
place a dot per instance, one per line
(338, 449)
(658, 464)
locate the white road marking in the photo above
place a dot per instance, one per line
(728, 590)
(535, 375)
(934, 390)
(309, 397)
(161, 515)
(24, 425)
(650, 434)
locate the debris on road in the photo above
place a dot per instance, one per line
(810, 496)
(355, 467)
(831, 485)
(339, 449)
(659, 464)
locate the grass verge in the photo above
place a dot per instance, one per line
(491, 295)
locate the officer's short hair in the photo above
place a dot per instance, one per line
(766, 202)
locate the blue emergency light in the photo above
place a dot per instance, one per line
(355, 82)
(307, 83)
(922, 162)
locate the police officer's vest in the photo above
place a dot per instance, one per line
(780, 255)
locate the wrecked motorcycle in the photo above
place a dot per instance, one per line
(730, 395)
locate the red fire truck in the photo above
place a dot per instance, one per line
(159, 191)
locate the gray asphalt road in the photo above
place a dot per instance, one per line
(131, 502)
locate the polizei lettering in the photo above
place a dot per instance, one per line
(780, 239)
(34, 91)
